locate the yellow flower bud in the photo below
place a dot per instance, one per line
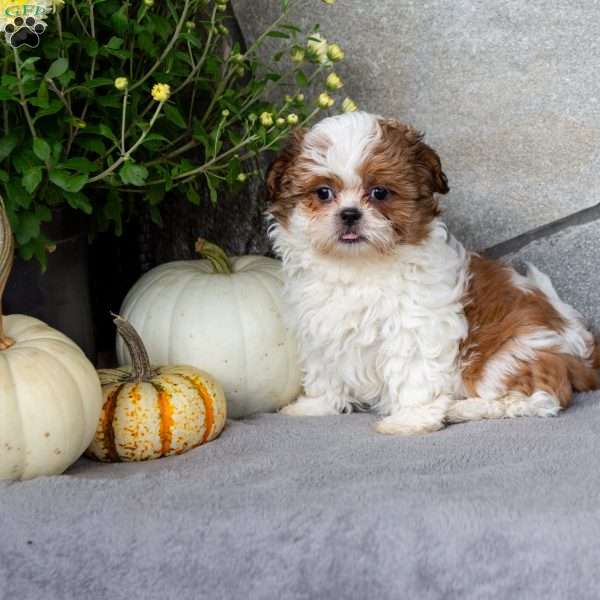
(329, 1)
(121, 83)
(325, 100)
(297, 54)
(266, 119)
(190, 25)
(348, 105)
(237, 58)
(316, 48)
(221, 7)
(223, 30)
(334, 53)
(161, 92)
(225, 113)
(149, 3)
(288, 98)
(280, 122)
(292, 119)
(299, 98)
(333, 82)
(242, 177)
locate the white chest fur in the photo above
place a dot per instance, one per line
(380, 334)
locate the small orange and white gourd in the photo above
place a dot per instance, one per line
(150, 411)
(50, 396)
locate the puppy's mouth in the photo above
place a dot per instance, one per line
(350, 236)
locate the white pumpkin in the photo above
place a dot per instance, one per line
(223, 316)
(50, 395)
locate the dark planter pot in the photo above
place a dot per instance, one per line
(60, 296)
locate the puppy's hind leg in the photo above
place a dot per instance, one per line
(513, 404)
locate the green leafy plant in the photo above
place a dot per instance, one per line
(127, 100)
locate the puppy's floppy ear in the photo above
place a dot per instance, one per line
(407, 140)
(430, 168)
(279, 166)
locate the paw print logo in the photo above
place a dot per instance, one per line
(24, 32)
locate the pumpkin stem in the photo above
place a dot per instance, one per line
(7, 251)
(141, 370)
(218, 259)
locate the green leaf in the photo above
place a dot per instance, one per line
(53, 107)
(7, 144)
(156, 194)
(279, 34)
(98, 82)
(35, 247)
(67, 181)
(212, 189)
(92, 144)
(29, 223)
(16, 195)
(90, 45)
(133, 174)
(22, 159)
(83, 165)
(32, 178)
(301, 79)
(112, 211)
(172, 113)
(57, 68)
(41, 149)
(114, 43)
(7, 94)
(192, 195)
(79, 201)
(291, 28)
(119, 20)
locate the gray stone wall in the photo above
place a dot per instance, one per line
(509, 95)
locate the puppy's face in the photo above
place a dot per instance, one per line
(356, 185)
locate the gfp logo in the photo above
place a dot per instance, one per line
(23, 21)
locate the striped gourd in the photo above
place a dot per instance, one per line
(149, 412)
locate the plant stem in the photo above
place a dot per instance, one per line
(78, 17)
(124, 120)
(131, 150)
(141, 370)
(22, 94)
(169, 47)
(210, 163)
(215, 255)
(7, 246)
(200, 63)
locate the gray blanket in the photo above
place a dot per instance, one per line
(282, 507)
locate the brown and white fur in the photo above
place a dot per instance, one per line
(390, 312)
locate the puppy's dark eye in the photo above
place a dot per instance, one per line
(378, 193)
(325, 194)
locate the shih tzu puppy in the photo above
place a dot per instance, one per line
(390, 312)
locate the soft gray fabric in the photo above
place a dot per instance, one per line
(281, 507)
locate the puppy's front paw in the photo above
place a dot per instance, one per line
(319, 406)
(413, 421)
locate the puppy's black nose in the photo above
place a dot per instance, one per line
(350, 216)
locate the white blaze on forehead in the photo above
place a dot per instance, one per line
(338, 145)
